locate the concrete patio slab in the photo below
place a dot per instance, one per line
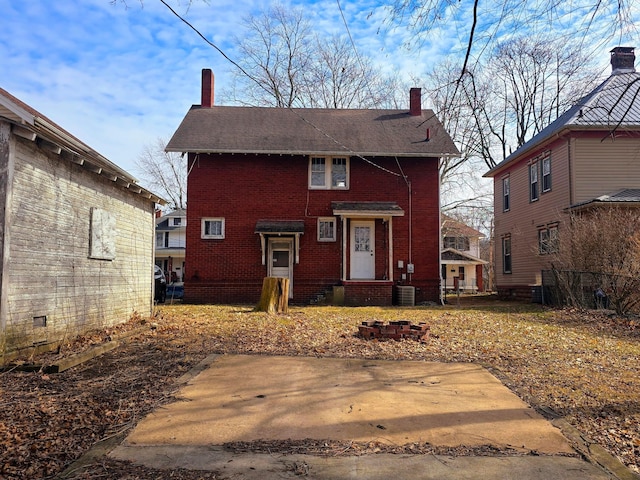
(244, 398)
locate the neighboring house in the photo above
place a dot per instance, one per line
(342, 201)
(589, 155)
(171, 242)
(461, 263)
(76, 235)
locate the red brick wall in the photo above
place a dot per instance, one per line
(246, 188)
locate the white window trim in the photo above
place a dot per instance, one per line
(212, 219)
(335, 226)
(328, 168)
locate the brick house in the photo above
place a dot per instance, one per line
(589, 156)
(343, 201)
(76, 235)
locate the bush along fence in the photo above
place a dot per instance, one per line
(591, 290)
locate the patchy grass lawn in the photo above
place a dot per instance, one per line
(582, 365)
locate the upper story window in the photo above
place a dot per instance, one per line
(212, 228)
(327, 173)
(458, 243)
(546, 174)
(506, 194)
(327, 229)
(177, 221)
(534, 191)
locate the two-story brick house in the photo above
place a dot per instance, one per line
(171, 240)
(462, 267)
(589, 155)
(326, 197)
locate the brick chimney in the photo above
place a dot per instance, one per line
(415, 102)
(207, 88)
(623, 60)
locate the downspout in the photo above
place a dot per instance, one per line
(406, 180)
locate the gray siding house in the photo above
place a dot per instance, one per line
(76, 235)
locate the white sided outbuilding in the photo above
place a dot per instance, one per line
(76, 235)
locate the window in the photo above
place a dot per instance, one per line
(548, 240)
(177, 221)
(506, 192)
(327, 229)
(213, 228)
(546, 174)
(458, 243)
(329, 173)
(533, 182)
(159, 239)
(506, 255)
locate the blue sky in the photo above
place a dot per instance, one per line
(118, 76)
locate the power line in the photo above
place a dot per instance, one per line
(292, 110)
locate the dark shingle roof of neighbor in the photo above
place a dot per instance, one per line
(309, 131)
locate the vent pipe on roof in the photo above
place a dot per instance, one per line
(415, 102)
(623, 60)
(207, 88)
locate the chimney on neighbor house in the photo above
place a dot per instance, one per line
(623, 60)
(207, 88)
(415, 102)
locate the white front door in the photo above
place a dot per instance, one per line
(363, 259)
(281, 260)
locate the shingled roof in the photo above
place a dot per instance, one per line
(310, 131)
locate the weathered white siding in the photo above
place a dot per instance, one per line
(46, 269)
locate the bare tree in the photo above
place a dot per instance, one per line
(164, 173)
(284, 64)
(599, 249)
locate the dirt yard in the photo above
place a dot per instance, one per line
(581, 365)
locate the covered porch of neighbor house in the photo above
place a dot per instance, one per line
(461, 272)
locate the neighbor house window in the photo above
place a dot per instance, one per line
(548, 240)
(458, 243)
(506, 194)
(533, 182)
(177, 221)
(329, 173)
(506, 254)
(213, 228)
(546, 174)
(327, 229)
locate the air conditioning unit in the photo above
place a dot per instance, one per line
(406, 295)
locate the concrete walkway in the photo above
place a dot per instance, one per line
(245, 398)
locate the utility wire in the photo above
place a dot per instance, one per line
(292, 110)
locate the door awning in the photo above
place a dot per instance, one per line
(367, 209)
(281, 227)
(271, 228)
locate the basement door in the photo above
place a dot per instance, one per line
(281, 260)
(363, 260)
